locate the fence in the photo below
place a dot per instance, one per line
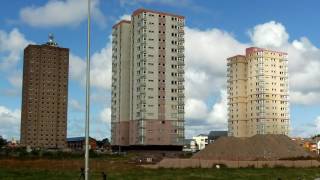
(201, 163)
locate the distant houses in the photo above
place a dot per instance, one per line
(78, 143)
(310, 144)
(200, 141)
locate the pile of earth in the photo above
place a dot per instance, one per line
(258, 147)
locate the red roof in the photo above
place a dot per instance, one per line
(256, 49)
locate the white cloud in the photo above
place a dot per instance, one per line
(10, 122)
(15, 79)
(308, 98)
(77, 67)
(105, 115)
(206, 52)
(75, 105)
(61, 13)
(201, 119)
(12, 45)
(195, 109)
(125, 17)
(307, 129)
(100, 70)
(304, 60)
(270, 34)
(219, 113)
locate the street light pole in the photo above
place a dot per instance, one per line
(87, 97)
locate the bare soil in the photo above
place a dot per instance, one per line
(258, 147)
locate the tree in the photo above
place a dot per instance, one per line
(3, 142)
(104, 143)
(315, 136)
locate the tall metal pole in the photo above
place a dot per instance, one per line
(87, 97)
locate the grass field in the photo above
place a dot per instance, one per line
(163, 174)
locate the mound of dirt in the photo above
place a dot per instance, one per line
(258, 147)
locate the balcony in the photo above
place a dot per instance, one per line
(142, 101)
(181, 63)
(142, 76)
(142, 68)
(142, 93)
(142, 84)
(180, 78)
(180, 86)
(181, 103)
(180, 23)
(181, 47)
(181, 70)
(181, 40)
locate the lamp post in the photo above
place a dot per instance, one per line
(87, 97)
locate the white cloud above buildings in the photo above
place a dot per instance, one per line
(304, 60)
(75, 105)
(61, 13)
(105, 115)
(206, 53)
(205, 73)
(124, 17)
(270, 34)
(100, 70)
(10, 122)
(11, 47)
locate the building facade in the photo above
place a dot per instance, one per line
(148, 58)
(45, 96)
(201, 141)
(258, 97)
(120, 95)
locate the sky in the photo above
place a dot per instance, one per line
(215, 30)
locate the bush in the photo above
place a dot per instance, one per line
(3, 142)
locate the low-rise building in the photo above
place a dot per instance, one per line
(13, 143)
(200, 141)
(214, 135)
(193, 146)
(187, 145)
(78, 143)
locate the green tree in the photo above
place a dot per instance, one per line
(3, 142)
(315, 136)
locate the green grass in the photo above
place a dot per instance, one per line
(163, 174)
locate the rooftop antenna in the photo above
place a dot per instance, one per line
(51, 41)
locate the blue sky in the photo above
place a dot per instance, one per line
(215, 30)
